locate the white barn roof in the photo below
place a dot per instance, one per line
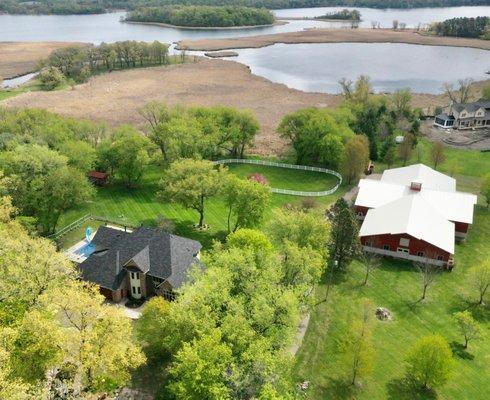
(454, 206)
(430, 179)
(410, 215)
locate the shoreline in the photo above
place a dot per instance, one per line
(331, 35)
(205, 28)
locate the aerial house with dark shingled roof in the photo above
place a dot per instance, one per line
(139, 264)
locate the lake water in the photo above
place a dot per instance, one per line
(108, 28)
(391, 66)
(412, 17)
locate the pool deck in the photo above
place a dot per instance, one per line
(72, 252)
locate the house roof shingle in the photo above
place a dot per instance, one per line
(159, 254)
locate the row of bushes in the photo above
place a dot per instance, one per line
(348, 15)
(203, 16)
(478, 27)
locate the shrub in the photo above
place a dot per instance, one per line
(259, 178)
(50, 78)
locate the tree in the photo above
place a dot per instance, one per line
(51, 78)
(485, 189)
(469, 328)
(428, 274)
(371, 262)
(390, 153)
(64, 189)
(405, 148)
(358, 347)
(462, 94)
(80, 154)
(356, 157)
(485, 91)
(251, 239)
(430, 361)
(479, 278)
(247, 200)
(130, 154)
(344, 242)
(190, 183)
(401, 101)
(437, 154)
(200, 369)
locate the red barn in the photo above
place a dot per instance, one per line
(413, 213)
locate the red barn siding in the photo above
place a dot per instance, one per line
(461, 227)
(415, 245)
(361, 209)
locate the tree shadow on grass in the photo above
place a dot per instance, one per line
(338, 389)
(459, 350)
(406, 389)
(205, 237)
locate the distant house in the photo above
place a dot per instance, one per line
(98, 178)
(140, 264)
(413, 213)
(465, 116)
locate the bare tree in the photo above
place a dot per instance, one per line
(403, 25)
(405, 149)
(437, 154)
(347, 89)
(371, 262)
(395, 24)
(428, 274)
(462, 94)
(374, 24)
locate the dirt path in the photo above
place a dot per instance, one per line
(19, 58)
(332, 36)
(116, 97)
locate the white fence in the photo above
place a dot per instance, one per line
(290, 166)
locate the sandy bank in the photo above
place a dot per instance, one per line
(19, 58)
(341, 35)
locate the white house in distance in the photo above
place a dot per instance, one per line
(465, 116)
(413, 213)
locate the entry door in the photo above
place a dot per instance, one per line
(135, 284)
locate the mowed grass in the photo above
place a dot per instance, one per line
(396, 286)
(140, 206)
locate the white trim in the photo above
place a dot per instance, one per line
(405, 256)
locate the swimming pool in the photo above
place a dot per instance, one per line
(85, 250)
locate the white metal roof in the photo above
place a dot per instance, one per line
(430, 178)
(454, 206)
(411, 215)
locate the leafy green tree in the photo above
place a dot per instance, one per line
(356, 158)
(401, 100)
(63, 189)
(130, 152)
(249, 238)
(469, 328)
(479, 279)
(309, 129)
(405, 148)
(302, 267)
(190, 183)
(80, 154)
(430, 361)
(200, 369)
(437, 154)
(344, 244)
(51, 78)
(390, 155)
(246, 200)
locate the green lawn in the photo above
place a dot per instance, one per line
(140, 206)
(396, 285)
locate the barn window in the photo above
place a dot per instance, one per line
(439, 258)
(386, 247)
(420, 253)
(404, 242)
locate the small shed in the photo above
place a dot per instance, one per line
(98, 178)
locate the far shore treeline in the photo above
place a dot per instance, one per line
(478, 27)
(101, 6)
(203, 16)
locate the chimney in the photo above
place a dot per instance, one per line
(117, 262)
(416, 186)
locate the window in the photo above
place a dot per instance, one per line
(386, 247)
(404, 242)
(420, 253)
(139, 290)
(402, 250)
(133, 289)
(137, 275)
(132, 275)
(439, 258)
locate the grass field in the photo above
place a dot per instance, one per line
(140, 206)
(396, 286)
